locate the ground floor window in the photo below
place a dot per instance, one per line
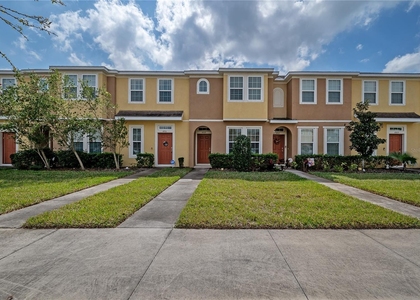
(254, 134)
(334, 140)
(307, 140)
(136, 136)
(87, 143)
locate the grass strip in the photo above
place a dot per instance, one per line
(280, 200)
(403, 187)
(19, 188)
(109, 208)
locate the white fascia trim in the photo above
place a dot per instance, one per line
(395, 120)
(323, 121)
(245, 120)
(283, 121)
(149, 118)
(204, 120)
(393, 75)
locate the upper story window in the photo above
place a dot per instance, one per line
(43, 84)
(165, 91)
(397, 96)
(83, 86)
(334, 91)
(245, 88)
(7, 82)
(136, 90)
(370, 91)
(203, 86)
(308, 91)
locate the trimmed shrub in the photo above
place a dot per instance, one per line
(339, 163)
(30, 160)
(221, 160)
(263, 162)
(242, 154)
(145, 160)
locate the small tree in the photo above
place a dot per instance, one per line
(28, 109)
(363, 136)
(404, 158)
(242, 154)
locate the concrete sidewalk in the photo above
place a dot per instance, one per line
(406, 209)
(162, 263)
(17, 218)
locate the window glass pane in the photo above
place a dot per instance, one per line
(233, 134)
(90, 80)
(334, 85)
(332, 149)
(306, 135)
(165, 85)
(236, 82)
(137, 84)
(254, 82)
(202, 87)
(397, 87)
(70, 90)
(136, 141)
(307, 148)
(78, 146)
(6, 82)
(95, 147)
(137, 96)
(334, 97)
(333, 135)
(165, 97)
(308, 97)
(308, 85)
(370, 86)
(236, 94)
(254, 94)
(370, 97)
(396, 98)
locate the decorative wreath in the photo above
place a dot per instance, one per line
(276, 142)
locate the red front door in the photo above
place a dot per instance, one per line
(278, 146)
(395, 143)
(9, 147)
(164, 148)
(203, 148)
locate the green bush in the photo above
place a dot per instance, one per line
(221, 160)
(242, 154)
(263, 162)
(103, 160)
(67, 159)
(30, 160)
(346, 163)
(145, 160)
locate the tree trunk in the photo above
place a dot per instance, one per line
(117, 162)
(79, 160)
(44, 158)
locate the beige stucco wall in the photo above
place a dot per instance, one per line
(245, 110)
(180, 90)
(276, 112)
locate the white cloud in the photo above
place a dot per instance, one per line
(189, 34)
(365, 60)
(21, 43)
(406, 63)
(359, 47)
(75, 60)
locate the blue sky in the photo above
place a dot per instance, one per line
(322, 35)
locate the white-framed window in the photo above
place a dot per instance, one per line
(136, 90)
(203, 86)
(334, 140)
(136, 139)
(87, 143)
(246, 88)
(43, 84)
(370, 91)
(397, 92)
(73, 86)
(307, 140)
(334, 91)
(254, 134)
(165, 91)
(7, 82)
(307, 91)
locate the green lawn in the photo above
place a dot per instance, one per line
(280, 200)
(109, 208)
(404, 187)
(20, 188)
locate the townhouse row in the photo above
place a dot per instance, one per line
(191, 114)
